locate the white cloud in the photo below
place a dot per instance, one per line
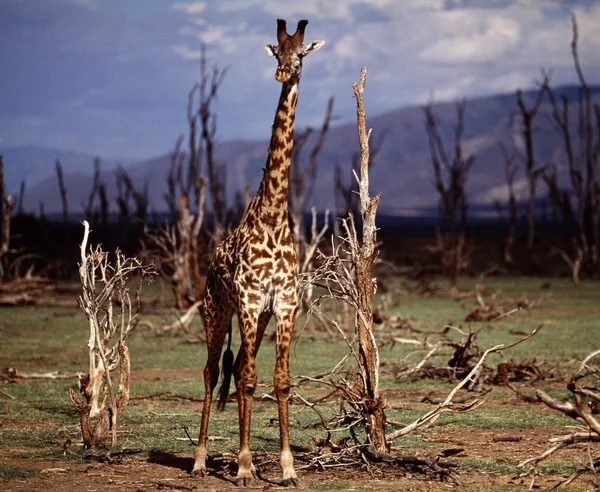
(186, 52)
(190, 8)
(495, 36)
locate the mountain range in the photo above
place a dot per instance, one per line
(401, 172)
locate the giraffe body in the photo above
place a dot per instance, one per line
(254, 274)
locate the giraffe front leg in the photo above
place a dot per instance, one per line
(246, 380)
(246, 470)
(200, 453)
(281, 382)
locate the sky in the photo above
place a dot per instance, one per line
(111, 77)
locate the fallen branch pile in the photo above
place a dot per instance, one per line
(583, 406)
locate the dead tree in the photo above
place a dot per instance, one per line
(450, 175)
(6, 208)
(92, 211)
(175, 181)
(178, 243)
(301, 183)
(582, 156)
(346, 190)
(62, 190)
(21, 198)
(302, 180)
(510, 172)
(363, 256)
(349, 277)
(126, 191)
(203, 115)
(532, 171)
(104, 286)
(178, 249)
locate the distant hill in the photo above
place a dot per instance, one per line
(402, 172)
(35, 165)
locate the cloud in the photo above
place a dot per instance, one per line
(185, 52)
(191, 8)
(494, 37)
(112, 77)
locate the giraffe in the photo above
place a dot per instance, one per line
(254, 274)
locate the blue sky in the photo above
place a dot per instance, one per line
(111, 77)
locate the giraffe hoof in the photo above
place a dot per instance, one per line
(290, 482)
(243, 482)
(198, 473)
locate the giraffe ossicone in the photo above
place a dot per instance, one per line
(254, 274)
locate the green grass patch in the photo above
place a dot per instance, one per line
(167, 386)
(17, 472)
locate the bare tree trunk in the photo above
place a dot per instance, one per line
(510, 170)
(532, 173)
(208, 89)
(63, 191)
(363, 257)
(6, 207)
(581, 150)
(91, 212)
(20, 198)
(451, 175)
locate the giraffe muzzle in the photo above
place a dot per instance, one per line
(282, 75)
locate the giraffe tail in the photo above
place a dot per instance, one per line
(227, 372)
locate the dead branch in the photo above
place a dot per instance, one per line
(583, 406)
(179, 325)
(12, 373)
(573, 263)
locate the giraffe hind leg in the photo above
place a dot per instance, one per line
(216, 330)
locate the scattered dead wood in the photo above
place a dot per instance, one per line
(583, 407)
(448, 405)
(13, 374)
(181, 325)
(512, 371)
(167, 395)
(24, 289)
(342, 454)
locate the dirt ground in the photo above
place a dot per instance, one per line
(166, 471)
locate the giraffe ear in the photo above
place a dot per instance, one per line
(270, 49)
(312, 47)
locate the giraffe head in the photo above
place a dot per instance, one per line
(290, 51)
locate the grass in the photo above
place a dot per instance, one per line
(16, 472)
(39, 418)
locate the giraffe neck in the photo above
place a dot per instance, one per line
(272, 196)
